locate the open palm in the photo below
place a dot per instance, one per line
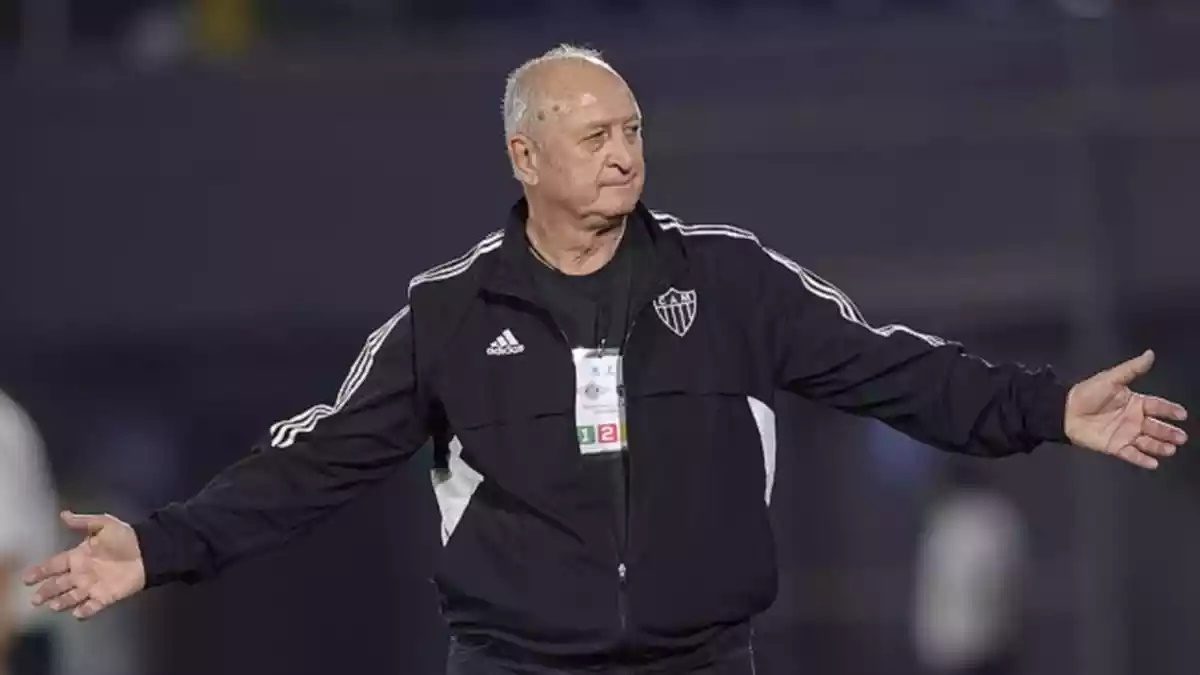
(102, 570)
(1105, 415)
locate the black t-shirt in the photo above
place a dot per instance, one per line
(593, 311)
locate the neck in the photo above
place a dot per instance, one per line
(570, 246)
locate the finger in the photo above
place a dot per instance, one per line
(88, 609)
(1133, 456)
(69, 600)
(51, 567)
(82, 523)
(54, 588)
(1133, 368)
(1161, 431)
(1161, 407)
(1150, 446)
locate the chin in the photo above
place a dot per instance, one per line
(617, 201)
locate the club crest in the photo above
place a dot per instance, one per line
(677, 310)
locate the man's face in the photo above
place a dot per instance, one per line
(585, 143)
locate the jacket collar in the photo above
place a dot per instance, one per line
(661, 250)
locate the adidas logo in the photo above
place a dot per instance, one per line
(505, 345)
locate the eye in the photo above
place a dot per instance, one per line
(595, 140)
(634, 129)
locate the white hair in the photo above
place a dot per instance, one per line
(519, 95)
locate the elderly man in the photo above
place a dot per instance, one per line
(598, 379)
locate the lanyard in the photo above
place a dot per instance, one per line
(602, 323)
(601, 318)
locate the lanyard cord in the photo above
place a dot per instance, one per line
(600, 322)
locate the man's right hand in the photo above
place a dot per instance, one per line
(101, 571)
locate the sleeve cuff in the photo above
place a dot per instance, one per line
(1046, 414)
(167, 555)
(153, 546)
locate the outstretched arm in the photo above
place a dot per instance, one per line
(307, 467)
(938, 393)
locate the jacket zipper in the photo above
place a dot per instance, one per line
(623, 550)
(622, 607)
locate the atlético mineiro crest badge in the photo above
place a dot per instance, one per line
(677, 310)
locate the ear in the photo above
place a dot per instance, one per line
(523, 153)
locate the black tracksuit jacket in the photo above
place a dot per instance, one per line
(718, 324)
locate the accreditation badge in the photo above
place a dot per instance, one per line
(599, 400)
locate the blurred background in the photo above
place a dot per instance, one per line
(206, 205)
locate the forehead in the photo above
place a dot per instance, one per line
(583, 93)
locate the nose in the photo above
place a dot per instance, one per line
(621, 155)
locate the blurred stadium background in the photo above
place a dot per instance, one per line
(206, 205)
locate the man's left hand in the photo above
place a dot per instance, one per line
(1105, 415)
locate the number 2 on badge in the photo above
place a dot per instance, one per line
(609, 433)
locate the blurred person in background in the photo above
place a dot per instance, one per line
(28, 532)
(598, 381)
(970, 583)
